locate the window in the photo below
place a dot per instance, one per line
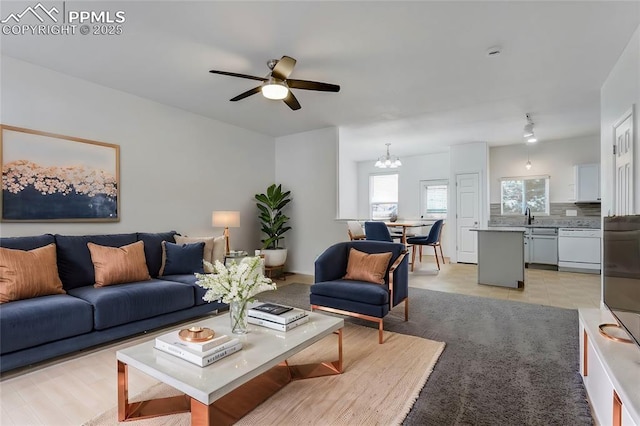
(383, 195)
(433, 198)
(518, 193)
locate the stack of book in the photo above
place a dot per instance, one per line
(199, 353)
(277, 317)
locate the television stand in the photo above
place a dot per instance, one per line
(610, 371)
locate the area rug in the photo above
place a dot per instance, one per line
(379, 385)
(506, 363)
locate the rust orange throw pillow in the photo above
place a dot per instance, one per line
(117, 265)
(367, 267)
(26, 274)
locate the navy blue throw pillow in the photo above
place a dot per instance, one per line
(183, 259)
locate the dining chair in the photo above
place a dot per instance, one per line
(433, 239)
(377, 231)
(355, 230)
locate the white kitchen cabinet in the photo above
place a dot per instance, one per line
(587, 183)
(609, 371)
(543, 246)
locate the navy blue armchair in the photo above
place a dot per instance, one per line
(360, 299)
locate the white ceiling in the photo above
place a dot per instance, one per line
(413, 72)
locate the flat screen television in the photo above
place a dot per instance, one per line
(621, 271)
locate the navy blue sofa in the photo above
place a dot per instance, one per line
(37, 329)
(360, 299)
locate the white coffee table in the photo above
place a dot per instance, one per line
(226, 390)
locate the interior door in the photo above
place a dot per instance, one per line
(467, 217)
(624, 165)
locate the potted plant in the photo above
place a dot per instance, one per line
(273, 223)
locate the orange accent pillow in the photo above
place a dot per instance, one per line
(118, 265)
(367, 267)
(26, 274)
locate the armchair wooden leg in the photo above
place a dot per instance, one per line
(441, 254)
(420, 254)
(406, 309)
(380, 333)
(435, 252)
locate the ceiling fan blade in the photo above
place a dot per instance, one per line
(313, 85)
(246, 94)
(283, 68)
(292, 102)
(234, 74)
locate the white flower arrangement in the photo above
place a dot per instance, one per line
(237, 283)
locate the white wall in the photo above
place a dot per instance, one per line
(553, 158)
(413, 170)
(347, 182)
(175, 167)
(307, 165)
(619, 92)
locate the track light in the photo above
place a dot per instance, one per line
(528, 132)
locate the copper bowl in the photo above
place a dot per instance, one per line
(196, 334)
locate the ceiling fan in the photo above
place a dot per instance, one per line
(277, 84)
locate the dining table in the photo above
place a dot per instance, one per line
(408, 224)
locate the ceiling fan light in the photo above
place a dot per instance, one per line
(532, 139)
(274, 89)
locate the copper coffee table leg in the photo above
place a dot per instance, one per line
(146, 409)
(329, 368)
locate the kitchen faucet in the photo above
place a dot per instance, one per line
(530, 218)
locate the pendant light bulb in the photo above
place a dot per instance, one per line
(528, 165)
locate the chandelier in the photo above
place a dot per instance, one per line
(388, 160)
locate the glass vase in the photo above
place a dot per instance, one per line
(238, 315)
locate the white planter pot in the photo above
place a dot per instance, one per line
(274, 257)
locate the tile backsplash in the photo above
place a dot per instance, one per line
(587, 216)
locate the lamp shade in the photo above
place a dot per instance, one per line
(225, 219)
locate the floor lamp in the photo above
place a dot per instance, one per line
(226, 220)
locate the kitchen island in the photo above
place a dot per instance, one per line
(501, 256)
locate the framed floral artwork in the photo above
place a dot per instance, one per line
(49, 177)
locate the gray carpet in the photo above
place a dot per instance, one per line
(505, 363)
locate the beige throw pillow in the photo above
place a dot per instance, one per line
(367, 267)
(26, 274)
(118, 265)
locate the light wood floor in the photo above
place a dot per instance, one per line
(77, 388)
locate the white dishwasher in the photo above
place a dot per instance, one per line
(579, 250)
